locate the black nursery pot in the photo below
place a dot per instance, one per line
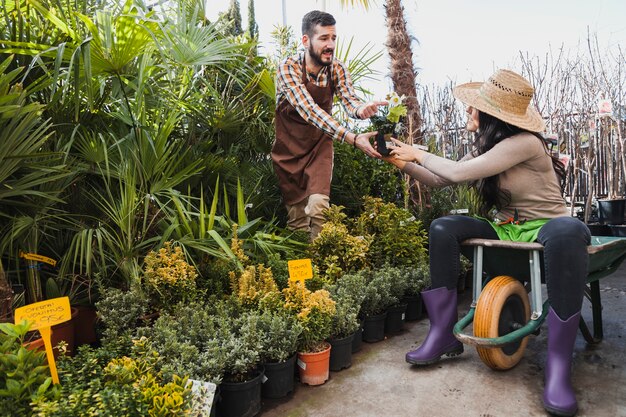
(394, 322)
(413, 307)
(240, 399)
(341, 353)
(374, 328)
(280, 378)
(357, 339)
(611, 211)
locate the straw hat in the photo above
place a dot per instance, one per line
(505, 95)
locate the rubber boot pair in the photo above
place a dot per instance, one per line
(558, 394)
(441, 304)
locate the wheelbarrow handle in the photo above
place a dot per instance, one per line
(514, 336)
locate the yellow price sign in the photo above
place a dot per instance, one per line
(42, 316)
(36, 257)
(300, 269)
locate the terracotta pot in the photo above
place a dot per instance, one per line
(35, 344)
(64, 332)
(314, 367)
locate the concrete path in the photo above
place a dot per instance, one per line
(380, 383)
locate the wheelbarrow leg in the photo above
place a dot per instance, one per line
(592, 292)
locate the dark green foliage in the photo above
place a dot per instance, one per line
(24, 375)
(355, 175)
(398, 238)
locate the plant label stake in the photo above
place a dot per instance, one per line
(300, 269)
(42, 316)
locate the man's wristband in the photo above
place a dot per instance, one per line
(355, 138)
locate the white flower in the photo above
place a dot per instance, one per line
(394, 99)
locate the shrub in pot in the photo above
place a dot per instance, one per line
(314, 310)
(348, 294)
(373, 308)
(335, 251)
(418, 279)
(278, 356)
(168, 278)
(397, 237)
(96, 379)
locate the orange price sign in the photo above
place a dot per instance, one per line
(42, 316)
(300, 269)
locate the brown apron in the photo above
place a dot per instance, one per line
(303, 154)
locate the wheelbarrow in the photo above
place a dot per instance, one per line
(505, 312)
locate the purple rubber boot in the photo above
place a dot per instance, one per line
(441, 306)
(558, 394)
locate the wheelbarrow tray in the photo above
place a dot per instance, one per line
(512, 258)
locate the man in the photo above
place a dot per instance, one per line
(303, 150)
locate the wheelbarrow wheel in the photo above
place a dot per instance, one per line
(502, 308)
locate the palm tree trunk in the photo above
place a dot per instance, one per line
(401, 66)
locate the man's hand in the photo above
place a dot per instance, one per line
(363, 143)
(369, 109)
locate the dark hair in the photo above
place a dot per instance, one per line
(314, 18)
(492, 131)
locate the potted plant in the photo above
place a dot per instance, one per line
(418, 279)
(348, 294)
(397, 237)
(396, 309)
(374, 306)
(335, 251)
(387, 122)
(242, 340)
(314, 311)
(278, 356)
(168, 278)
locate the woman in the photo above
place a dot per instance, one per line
(520, 185)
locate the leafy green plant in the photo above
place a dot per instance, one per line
(348, 293)
(378, 291)
(24, 374)
(97, 382)
(120, 314)
(398, 238)
(168, 278)
(418, 278)
(314, 311)
(281, 334)
(335, 251)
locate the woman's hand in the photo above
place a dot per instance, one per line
(404, 152)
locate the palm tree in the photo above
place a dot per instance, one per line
(402, 68)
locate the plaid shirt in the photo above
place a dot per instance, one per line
(289, 87)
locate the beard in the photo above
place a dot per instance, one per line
(317, 58)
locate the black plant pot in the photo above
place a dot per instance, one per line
(341, 353)
(618, 230)
(279, 378)
(374, 328)
(612, 211)
(394, 322)
(598, 229)
(413, 307)
(240, 399)
(357, 339)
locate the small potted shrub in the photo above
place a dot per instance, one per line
(374, 307)
(314, 311)
(335, 251)
(398, 284)
(348, 294)
(281, 335)
(418, 279)
(167, 278)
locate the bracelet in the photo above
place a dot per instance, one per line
(355, 138)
